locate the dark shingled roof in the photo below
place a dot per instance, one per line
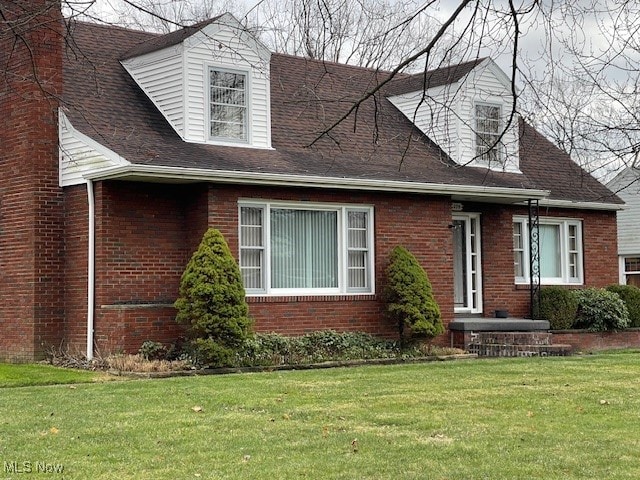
(104, 102)
(432, 78)
(159, 42)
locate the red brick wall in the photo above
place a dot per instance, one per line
(143, 244)
(145, 235)
(75, 266)
(584, 341)
(124, 328)
(141, 247)
(31, 213)
(601, 250)
(147, 232)
(499, 290)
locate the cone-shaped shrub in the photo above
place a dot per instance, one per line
(409, 297)
(212, 302)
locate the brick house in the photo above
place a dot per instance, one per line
(132, 144)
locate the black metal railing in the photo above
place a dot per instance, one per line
(534, 256)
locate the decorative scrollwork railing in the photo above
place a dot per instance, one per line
(534, 255)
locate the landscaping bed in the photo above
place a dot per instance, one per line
(264, 352)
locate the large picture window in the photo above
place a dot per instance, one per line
(310, 249)
(488, 126)
(228, 105)
(560, 250)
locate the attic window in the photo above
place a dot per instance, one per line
(488, 148)
(228, 105)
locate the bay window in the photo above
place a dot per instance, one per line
(306, 249)
(560, 251)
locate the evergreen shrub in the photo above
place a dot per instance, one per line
(600, 310)
(313, 347)
(558, 305)
(409, 297)
(630, 295)
(212, 303)
(151, 350)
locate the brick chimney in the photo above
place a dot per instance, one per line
(31, 201)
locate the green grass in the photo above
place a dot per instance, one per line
(551, 418)
(21, 375)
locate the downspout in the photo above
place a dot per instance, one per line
(91, 266)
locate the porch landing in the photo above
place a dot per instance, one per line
(498, 324)
(505, 337)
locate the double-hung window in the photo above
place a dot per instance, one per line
(631, 270)
(228, 105)
(488, 127)
(306, 249)
(560, 250)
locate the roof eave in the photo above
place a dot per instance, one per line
(549, 202)
(155, 173)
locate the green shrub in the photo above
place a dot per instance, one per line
(630, 295)
(558, 305)
(600, 310)
(151, 350)
(209, 352)
(212, 303)
(331, 345)
(409, 297)
(319, 346)
(265, 349)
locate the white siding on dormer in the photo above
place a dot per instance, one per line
(159, 74)
(176, 80)
(80, 155)
(627, 187)
(446, 114)
(434, 114)
(483, 85)
(222, 47)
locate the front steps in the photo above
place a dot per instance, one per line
(516, 344)
(489, 337)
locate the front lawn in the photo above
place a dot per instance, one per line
(551, 418)
(22, 374)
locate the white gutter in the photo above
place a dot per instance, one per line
(155, 172)
(548, 202)
(91, 265)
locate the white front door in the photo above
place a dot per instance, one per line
(467, 270)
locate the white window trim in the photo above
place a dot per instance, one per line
(500, 162)
(341, 210)
(564, 224)
(624, 273)
(228, 140)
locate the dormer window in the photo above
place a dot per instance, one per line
(228, 105)
(488, 129)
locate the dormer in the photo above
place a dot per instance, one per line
(210, 81)
(465, 110)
